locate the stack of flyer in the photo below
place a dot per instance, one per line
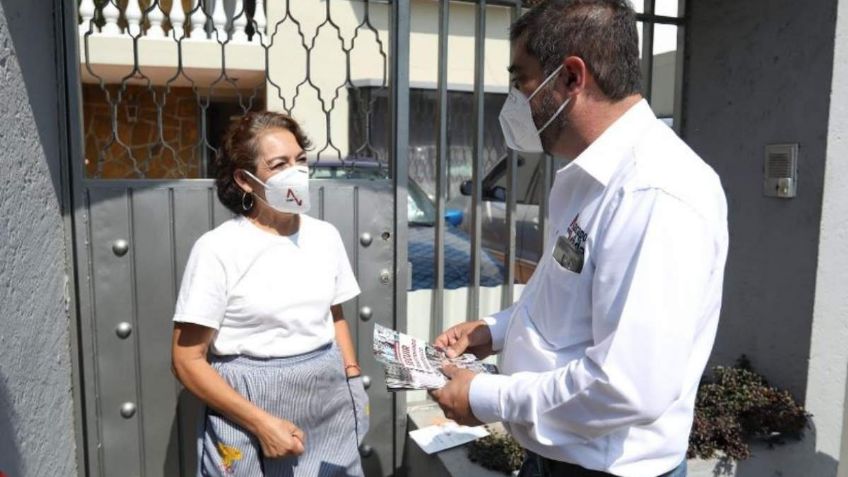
(411, 363)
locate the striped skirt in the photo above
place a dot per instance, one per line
(311, 391)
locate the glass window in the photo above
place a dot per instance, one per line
(664, 74)
(420, 209)
(528, 171)
(666, 8)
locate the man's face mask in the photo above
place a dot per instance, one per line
(288, 190)
(516, 119)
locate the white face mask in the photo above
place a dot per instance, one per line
(516, 119)
(287, 191)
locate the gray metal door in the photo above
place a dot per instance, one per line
(136, 237)
(143, 132)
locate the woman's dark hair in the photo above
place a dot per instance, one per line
(240, 150)
(601, 32)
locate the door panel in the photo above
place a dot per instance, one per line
(138, 238)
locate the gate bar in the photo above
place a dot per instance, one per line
(545, 182)
(400, 33)
(477, 160)
(507, 296)
(437, 315)
(70, 122)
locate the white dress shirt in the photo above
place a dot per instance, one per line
(602, 362)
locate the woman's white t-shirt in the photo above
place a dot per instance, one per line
(267, 295)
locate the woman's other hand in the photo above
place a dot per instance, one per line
(280, 438)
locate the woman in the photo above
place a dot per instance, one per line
(259, 334)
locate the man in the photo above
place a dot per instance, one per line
(603, 353)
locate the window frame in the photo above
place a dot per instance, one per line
(648, 19)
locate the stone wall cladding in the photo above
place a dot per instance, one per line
(137, 150)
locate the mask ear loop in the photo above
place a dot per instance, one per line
(249, 174)
(564, 104)
(547, 80)
(559, 110)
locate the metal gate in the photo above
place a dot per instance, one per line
(137, 237)
(150, 87)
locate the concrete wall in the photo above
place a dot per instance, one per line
(36, 411)
(763, 72)
(759, 72)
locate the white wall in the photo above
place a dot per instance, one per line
(827, 383)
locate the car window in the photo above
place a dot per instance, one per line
(365, 173)
(346, 171)
(528, 165)
(322, 172)
(419, 208)
(537, 189)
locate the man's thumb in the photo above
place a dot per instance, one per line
(457, 348)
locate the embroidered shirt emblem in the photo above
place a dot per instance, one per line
(229, 455)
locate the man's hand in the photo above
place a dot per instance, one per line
(472, 336)
(453, 398)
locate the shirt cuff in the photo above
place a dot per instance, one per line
(484, 397)
(498, 324)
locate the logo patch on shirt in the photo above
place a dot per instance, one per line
(570, 248)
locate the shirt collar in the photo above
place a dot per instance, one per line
(601, 159)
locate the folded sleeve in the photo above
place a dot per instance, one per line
(498, 323)
(203, 293)
(653, 262)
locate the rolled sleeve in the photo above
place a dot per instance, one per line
(498, 323)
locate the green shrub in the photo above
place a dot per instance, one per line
(734, 406)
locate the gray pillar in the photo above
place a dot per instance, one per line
(759, 72)
(36, 405)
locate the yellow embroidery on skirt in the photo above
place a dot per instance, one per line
(228, 454)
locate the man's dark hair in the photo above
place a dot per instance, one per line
(601, 32)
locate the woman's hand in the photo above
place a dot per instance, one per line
(279, 438)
